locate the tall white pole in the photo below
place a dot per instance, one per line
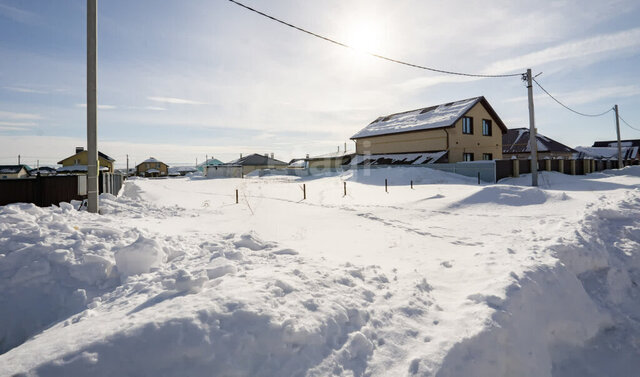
(533, 138)
(92, 107)
(619, 142)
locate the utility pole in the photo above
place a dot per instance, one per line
(126, 175)
(533, 138)
(18, 159)
(92, 106)
(619, 142)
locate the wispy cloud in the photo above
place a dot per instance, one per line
(591, 95)
(18, 14)
(101, 107)
(24, 90)
(16, 126)
(22, 116)
(174, 100)
(571, 50)
(154, 108)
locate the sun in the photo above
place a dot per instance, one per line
(363, 36)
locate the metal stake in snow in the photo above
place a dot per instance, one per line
(619, 143)
(92, 106)
(533, 139)
(345, 188)
(385, 186)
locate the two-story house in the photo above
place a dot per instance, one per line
(465, 130)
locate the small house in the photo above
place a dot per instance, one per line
(256, 162)
(77, 163)
(209, 162)
(152, 168)
(515, 144)
(465, 130)
(13, 171)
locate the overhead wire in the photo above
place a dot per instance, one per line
(567, 107)
(371, 53)
(628, 125)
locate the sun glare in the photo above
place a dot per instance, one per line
(363, 37)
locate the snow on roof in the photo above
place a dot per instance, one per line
(516, 140)
(10, 169)
(151, 171)
(608, 152)
(398, 159)
(426, 118)
(256, 159)
(336, 154)
(150, 159)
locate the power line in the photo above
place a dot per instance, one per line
(367, 52)
(567, 107)
(625, 122)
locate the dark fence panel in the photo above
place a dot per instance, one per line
(41, 191)
(579, 167)
(555, 165)
(525, 166)
(504, 169)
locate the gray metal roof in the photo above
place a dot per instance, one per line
(516, 140)
(256, 159)
(439, 116)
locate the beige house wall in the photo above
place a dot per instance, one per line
(475, 143)
(161, 166)
(408, 142)
(436, 140)
(326, 163)
(81, 158)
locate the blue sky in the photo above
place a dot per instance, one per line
(179, 80)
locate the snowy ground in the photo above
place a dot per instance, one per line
(448, 279)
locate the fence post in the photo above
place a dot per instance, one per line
(345, 188)
(412, 184)
(236, 196)
(304, 191)
(561, 165)
(478, 177)
(515, 167)
(573, 166)
(385, 186)
(547, 165)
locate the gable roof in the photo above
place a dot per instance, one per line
(100, 154)
(151, 160)
(256, 159)
(427, 118)
(12, 169)
(516, 140)
(614, 143)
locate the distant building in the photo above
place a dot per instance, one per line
(465, 130)
(614, 143)
(43, 170)
(152, 168)
(515, 144)
(328, 161)
(255, 162)
(77, 163)
(13, 171)
(629, 153)
(210, 162)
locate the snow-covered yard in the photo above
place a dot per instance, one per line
(448, 279)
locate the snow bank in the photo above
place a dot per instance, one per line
(139, 257)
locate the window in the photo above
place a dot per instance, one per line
(467, 125)
(467, 157)
(487, 156)
(486, 127)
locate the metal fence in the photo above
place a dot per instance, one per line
(44, 191)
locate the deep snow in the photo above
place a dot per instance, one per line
(449, 279)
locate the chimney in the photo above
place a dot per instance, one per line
(240, 155)
(272, 155)
(79, 149)
(307, 155)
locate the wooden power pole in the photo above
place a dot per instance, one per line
(533, 138)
